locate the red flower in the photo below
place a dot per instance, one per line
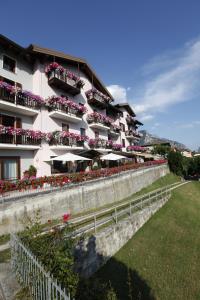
(66, 218)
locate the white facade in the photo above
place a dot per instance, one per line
(30, 74)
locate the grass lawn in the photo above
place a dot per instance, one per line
(163, 258)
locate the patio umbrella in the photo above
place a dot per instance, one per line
(112, 156)
(69, 157)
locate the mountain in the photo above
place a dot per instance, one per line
(148, 138)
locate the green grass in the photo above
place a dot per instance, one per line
(4, 256)
(4, 239)
(163, 257)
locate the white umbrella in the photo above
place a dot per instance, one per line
(69, 157)
(112, 156)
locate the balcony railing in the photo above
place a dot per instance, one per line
(66, 141)
(19, 98)
(20, 136)
(19, 140)
(97, 98)
(62, 81)
(115, 129)
(132, 134)
(98, 143)
(67, 110)
(97, 118)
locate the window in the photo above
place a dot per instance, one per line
(82, 131)
(65, 127)
(9, 64)
(123, 143)
(9, 168)
(96, 133)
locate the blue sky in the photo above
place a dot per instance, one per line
(146, 52)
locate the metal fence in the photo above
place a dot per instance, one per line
(31, 274)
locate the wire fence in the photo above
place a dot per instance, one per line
(31, 274)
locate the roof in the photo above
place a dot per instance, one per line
(138, 122)
(41, 51)
(127, 107)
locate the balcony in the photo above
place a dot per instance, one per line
(105, 145)
(99, 121)
(114, 130)
(132, 135)
(62, 140)
(18, 138)
(62, 112)
(62, 81)
(97, 99)
(18, 102)
(99, 144)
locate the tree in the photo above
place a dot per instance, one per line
(161, 149)
(175, 160)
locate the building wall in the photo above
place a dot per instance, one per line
(34, 79)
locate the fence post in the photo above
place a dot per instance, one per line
(116, 215)
(95, 223)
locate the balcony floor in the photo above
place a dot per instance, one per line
(98, 126)
(64, 116)
(19, 147)
(60, 147)
(18, 108)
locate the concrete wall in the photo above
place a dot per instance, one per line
(77, 199)
(95, 251)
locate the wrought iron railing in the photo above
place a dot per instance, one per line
(18, 98)
(30, 272)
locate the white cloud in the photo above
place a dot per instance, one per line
(173, 81)
(118, 92)
(146, 117)
(191, 124)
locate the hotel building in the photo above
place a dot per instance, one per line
(52, 103)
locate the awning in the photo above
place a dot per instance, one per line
(69, 157)
(112, 156)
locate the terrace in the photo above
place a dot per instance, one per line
(23, 102)
(23, 139)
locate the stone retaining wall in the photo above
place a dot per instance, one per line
(93, 252)
(77, 199)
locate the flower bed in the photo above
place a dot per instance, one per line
(136, 148)
(99, 118)
(34, 183)
(64, 103)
